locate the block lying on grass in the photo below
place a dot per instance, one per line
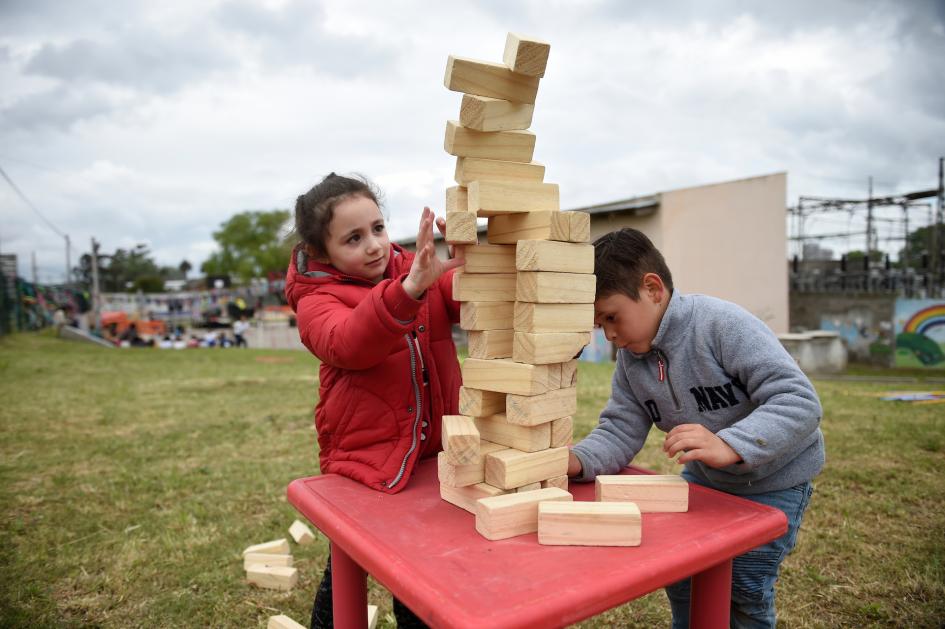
(275, 547)
(589, 524)
(510, 515)
(652, 493)
(273, 577)
(266, 559)
(283, 622)
(371, 616)
(301, 533)
(466, 497)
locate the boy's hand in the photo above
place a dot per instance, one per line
(574, 464)
(426, 267)
(699, 444)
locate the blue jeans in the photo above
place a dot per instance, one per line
(754, 573)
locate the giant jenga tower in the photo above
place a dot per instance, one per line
(527, 300)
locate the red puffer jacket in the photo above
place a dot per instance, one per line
(388, 371)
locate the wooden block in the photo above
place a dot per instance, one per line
(266, 559)
(484, 287)
(283, 622)
(589, 524)
(486, 315)
(301, 533)
(562, 431)
(507, 376)
(508, 146)
(460, 440)
(469, 169)
(484, 78)
(494, 114)
(479, 403)
(580, 226)
(547, 225)
(497, 429)
(560, 482)
(371, 616)
(548, 255)
(468, 474)
(547, 287)
(275, 547)
(501, 517)
(511, 468)
(461, 228)
(466, 497)
(457, 199)
(541, 318)
(653, 493)
(529, 487)
(526, 55)
(553, 347)
(489, 198)
(489, 259)
(569, 373)
(531, 410)
(273, 577)
(489, 344)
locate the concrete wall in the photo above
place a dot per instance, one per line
(864, 322)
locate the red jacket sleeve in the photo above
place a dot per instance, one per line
(359, 337)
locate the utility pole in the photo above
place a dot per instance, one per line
(869, 220)
(937, 232)
(68, 261)
(96, 300)
(35, 274)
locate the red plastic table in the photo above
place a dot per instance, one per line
(427, 553)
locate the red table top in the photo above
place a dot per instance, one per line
(427, 552)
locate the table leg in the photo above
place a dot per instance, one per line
(348, 591)
(711, 597)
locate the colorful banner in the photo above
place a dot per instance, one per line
(920, 333)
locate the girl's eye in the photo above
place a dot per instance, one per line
(610, 318)
(378, 229)
(354, 238)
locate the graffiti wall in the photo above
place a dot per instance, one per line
(920, 333)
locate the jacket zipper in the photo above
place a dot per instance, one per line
(414, 352)
(663, 365)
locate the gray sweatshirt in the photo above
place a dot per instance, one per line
(722, 368)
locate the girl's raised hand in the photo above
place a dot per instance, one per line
(427, 267)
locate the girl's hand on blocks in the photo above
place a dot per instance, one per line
(426, 267)
(698, 443)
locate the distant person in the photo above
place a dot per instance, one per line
(380, 320)
(239, 330)
(733, 403)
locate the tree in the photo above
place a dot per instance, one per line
(250, 245)
(917, 253)
(185, 268)
(121, 271)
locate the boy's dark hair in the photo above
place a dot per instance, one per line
(315, 209)
(622, 258)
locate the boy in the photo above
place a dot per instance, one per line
(732, 401)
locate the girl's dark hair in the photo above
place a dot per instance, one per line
(315, 208)
(622, 258)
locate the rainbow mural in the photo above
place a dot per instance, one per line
(920, 333)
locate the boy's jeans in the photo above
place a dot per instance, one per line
(755, 572)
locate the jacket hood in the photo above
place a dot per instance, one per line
(305, 274)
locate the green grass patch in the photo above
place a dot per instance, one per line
(130, 482)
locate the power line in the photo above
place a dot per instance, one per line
(30, 204)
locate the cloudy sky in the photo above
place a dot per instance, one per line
(143, 122)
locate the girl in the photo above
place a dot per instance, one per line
(379, 319)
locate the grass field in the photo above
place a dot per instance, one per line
(130, 482)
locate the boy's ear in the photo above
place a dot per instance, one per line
(653, 287)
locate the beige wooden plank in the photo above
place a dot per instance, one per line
(267, 559)
(511, 468)
(489, 344)
(560, 482)
(494, 114)
(542, 225)
(569, 373)
(508, 146)
(282, 622)
(552, 347)
(479, 403)
(507, 376)
(461, 228)
(589, 524)
(531, 410)
(528, 487)
(277, 547)
(546, 287)
(469, 169)
(497, 429)
(301, 533)
(486, 315)
(653, 493)
(562, 432)
(549, 255)
(489, 198)
(484, 287)
(466, 497)
(273, 577)
(526, 55)
(509, 515)
(580, 226)
(484, 78)
(460, 439)
(466, 474)
(457, 199)
(542, 318)
(489, 259)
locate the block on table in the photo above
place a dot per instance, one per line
(466, 497)
(484, 287)
(526, 55)
(545, 348)
(461, 228)
(268, 559)
(275, 547)
(508, 146)
(497, 429)
(507, 376)
(489, 259)
(543, 318)
(484, 78)
(486, 315)
(558, 481)
(511, 468)
(532, 410)
(489, 198)
(457, 199)
(460, 439)
(546, 287)
(562, 431)
(550, 255)
(301, 533)
(509, 515)
(283, 622)
(652, 493)
(273, 577)
(480, 403)
(469, 169)
(528, 487)
(483, 113)
(589, 524)
(467, 474)
(488, 344)
(542, 225)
